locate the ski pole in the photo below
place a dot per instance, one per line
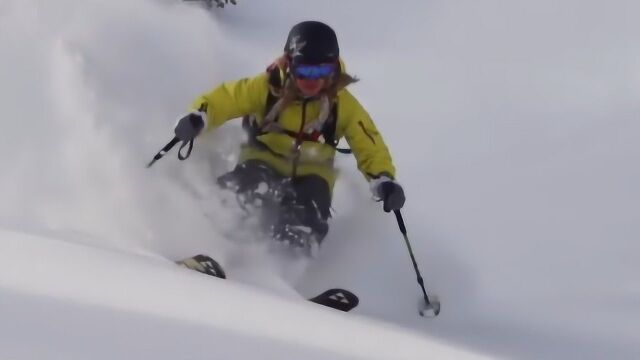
(163, 151)
(430, 304)
(168, 147)
(175, 140)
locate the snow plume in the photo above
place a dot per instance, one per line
(99, 88)
(95, 91)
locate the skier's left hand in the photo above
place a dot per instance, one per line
(389, 192)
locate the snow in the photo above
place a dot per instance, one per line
(131, 306)
(513, 126)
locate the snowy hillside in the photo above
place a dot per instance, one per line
(513, 126)
(128, 306)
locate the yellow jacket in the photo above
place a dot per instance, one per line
(248, 96)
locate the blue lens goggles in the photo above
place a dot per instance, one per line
(314, 72)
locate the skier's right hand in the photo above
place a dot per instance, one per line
(189, 126)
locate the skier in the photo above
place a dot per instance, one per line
(295, 113)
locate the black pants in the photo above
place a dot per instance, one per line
(286, 203)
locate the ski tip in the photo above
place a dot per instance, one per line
(339, 299)
(204, 264)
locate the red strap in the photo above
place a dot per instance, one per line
(314, 136)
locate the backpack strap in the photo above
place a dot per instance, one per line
(275, 87)
(329, 130)
(249, 122)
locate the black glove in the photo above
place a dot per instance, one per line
(190, 126)
(389, 192)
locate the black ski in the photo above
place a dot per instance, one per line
(339, 299)
(204, 264)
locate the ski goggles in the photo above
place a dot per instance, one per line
(314, 72)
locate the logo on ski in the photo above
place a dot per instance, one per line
(339, 299)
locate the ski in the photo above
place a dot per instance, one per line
(339, 299)
(203, 264)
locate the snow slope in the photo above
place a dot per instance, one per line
(127, 306)
(513, 127)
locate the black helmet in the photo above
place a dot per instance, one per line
(312, 42)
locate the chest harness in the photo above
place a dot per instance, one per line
(321, 130)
